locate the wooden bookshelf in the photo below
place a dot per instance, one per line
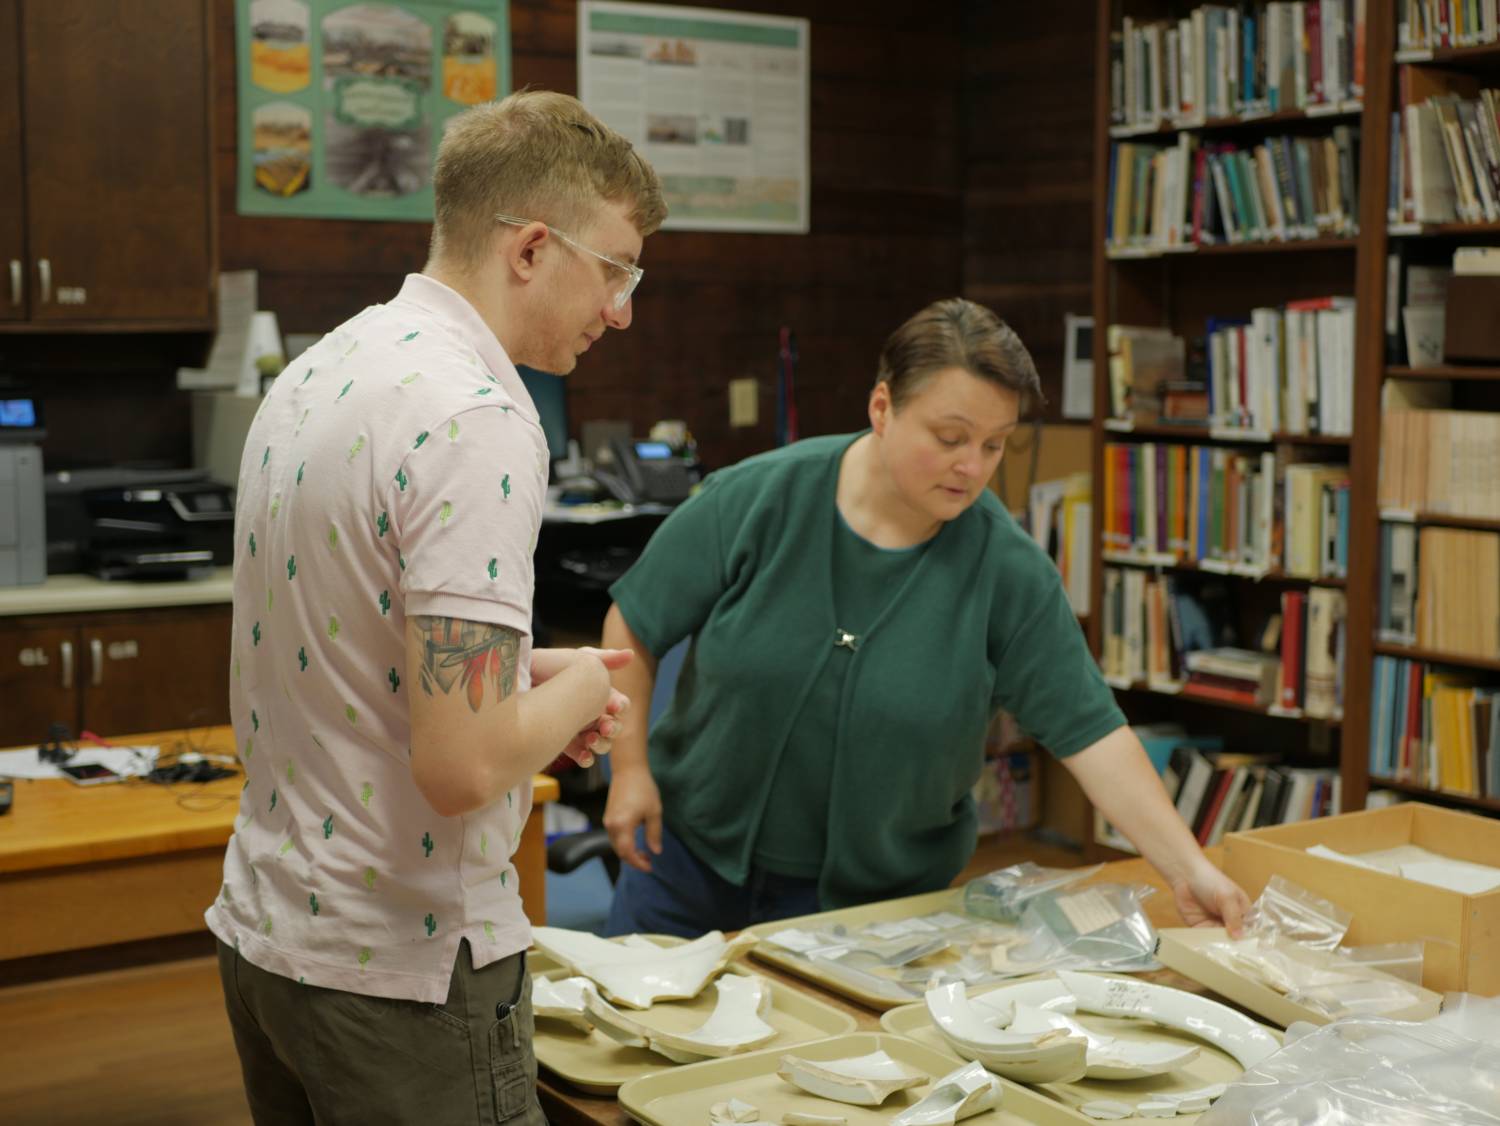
(1426, 793)
(1437, 657)
(1444, 372)
(1180, 290)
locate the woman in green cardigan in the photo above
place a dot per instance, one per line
(860, 606)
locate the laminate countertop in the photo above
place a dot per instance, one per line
(78, 594)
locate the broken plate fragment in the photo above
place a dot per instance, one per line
(737, 1023)
(1109, 1057)
(732, 1113)
(959, 1094)
(1220, 1025)
(866, 1080)
(637, 973)
(1046, 1055)
(562, 1000)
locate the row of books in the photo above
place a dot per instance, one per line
(1060, 516)
(1287, 370)
(1446, 23)
(1458, 592)
(1191, 193)
(1434, 728)
(1440, 461)
(1226, 61)
(1226, 509)
(1169, 632)
(1448, 165)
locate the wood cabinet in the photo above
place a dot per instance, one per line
(106, 199)
(114, 673)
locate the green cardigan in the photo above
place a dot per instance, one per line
(982, 623)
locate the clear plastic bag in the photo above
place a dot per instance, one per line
(1100, 927)
(1288, 911)
(1367, 1071)
(1291, 945)
(1002, 895)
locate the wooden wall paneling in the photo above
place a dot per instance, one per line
(887, 231)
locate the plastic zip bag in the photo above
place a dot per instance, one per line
(1002, 895)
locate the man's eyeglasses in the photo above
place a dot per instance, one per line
(633, 273)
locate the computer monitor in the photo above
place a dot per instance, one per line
(550, 395)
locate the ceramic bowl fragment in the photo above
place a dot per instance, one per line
(1109, 1057)
(866, 1080)
(637, 973)
(960, 1094)
(737, 1023)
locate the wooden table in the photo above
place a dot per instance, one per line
(565, 1105)
(85, 866)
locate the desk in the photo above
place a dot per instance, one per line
(84, 866)
(565, 1105)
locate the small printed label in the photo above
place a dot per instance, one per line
(1088, 911)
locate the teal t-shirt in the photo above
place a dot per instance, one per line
(793, 832)
(746, 569)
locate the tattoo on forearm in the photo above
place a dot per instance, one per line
(469, 654)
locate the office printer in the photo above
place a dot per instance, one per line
(138, 524)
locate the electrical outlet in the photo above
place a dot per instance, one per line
(744, 402)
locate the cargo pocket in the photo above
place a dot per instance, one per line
(512, 1064)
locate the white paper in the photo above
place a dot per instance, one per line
(1455, 875)
(1078, 366)
(127, 761)
(230, 355)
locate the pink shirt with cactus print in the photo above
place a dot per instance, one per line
(397, 467)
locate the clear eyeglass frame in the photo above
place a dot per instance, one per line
(633, 273)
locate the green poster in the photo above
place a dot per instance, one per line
(341, 106)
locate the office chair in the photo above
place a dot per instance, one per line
(587, 790)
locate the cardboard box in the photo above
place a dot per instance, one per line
(1461, 933)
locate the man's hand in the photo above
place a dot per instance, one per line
(634, 801)
(1207, 897)
(597, 737)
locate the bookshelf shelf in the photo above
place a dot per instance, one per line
(1433, 656)
(1483, 56)
(1430, 794)
(1244, 123)
(1445, 371)
(1439, 520)
(1241, 571)
(1443, 230)
(1285, 246)
(1144, 687)
(1118, 429)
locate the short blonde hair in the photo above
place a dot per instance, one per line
(538, 154)
(957, 333)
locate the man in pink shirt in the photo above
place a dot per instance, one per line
(388, 705)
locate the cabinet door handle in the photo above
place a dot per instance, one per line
(17, 276)
(65, 650)
(44, 272)
(96, 662)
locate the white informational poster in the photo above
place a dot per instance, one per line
(717, 101)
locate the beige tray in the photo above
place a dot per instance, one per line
(593, 1062)
(1181, 949)
(684, 1095)
(1210, 1066)
(890, 910)
(540, 962)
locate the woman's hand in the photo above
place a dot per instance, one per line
(1206, 897)
(597, 738)
(634, 801)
